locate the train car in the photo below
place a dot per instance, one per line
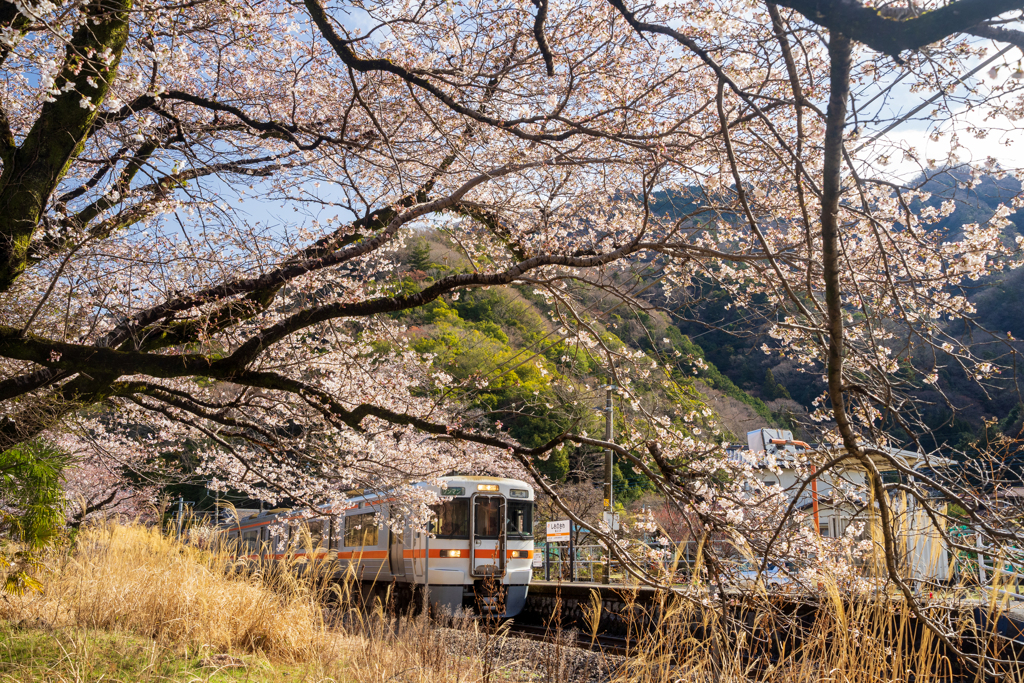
(477, 553)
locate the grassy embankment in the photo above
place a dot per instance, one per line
(131, 604)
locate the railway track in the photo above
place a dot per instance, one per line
(606, 644)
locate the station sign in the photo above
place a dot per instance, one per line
(558, 531)
(612, 520)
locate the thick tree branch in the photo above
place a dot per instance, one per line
(1003, 35)
(103, 360)
(895, 33)
(37, 167)
(840, 51)
(538, 33)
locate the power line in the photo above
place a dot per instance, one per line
(934, 97)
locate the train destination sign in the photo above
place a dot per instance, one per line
(558, 530)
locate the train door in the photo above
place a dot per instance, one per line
(396, 553)
(487, 535)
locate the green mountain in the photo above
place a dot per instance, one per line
(511, 364)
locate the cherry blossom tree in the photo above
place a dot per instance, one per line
(132, 268)
(202, 206)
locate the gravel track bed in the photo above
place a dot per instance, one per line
(516, 658)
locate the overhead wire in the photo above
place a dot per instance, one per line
(902, 119)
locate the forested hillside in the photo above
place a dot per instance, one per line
(956, 407)
(505, 341)
(508, 359)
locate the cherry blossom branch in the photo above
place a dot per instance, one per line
(33, 171)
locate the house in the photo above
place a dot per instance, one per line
(839, 497)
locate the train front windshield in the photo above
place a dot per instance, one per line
(487, 516)
(519, 521)
(451, 519)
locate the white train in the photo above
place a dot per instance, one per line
(478, 554)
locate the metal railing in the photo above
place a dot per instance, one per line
(995, 569)
(1003, 564)
(552, 562)
(589, 564)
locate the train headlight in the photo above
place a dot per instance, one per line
(486, 487)
(450, 553)
(519, 493)
(520, 554)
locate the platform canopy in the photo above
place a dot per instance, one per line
(764, 445)
(885, 458)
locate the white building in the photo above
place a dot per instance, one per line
(836, 498)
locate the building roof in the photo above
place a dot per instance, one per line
(790, 456)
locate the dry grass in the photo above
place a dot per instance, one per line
(138, 580)
(132, 604)
(839, 640)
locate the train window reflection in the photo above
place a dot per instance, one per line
(519, 523)
(361, 531)
(487, 517)
(316, 533)
(451, 519)
(250, 540)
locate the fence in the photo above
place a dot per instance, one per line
(552, 563)
(998, 570)
(589, 563)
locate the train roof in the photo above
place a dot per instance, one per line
(358, 496)
(500, 480)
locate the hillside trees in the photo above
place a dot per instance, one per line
(869, 273)
(201, 208)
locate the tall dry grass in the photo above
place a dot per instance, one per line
(833, 639)
(138, 579)
(132, 579)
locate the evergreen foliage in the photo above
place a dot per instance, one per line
(771, 389)
(32, 507)
(419, 255)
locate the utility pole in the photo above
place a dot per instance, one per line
(181, 510)
(609, 469)
(572, 553)
(181, 513)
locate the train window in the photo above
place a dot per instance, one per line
(316, 532)
(360, 531)
(250, 540)
(451, 519)
(487, 516)
(519, 521)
